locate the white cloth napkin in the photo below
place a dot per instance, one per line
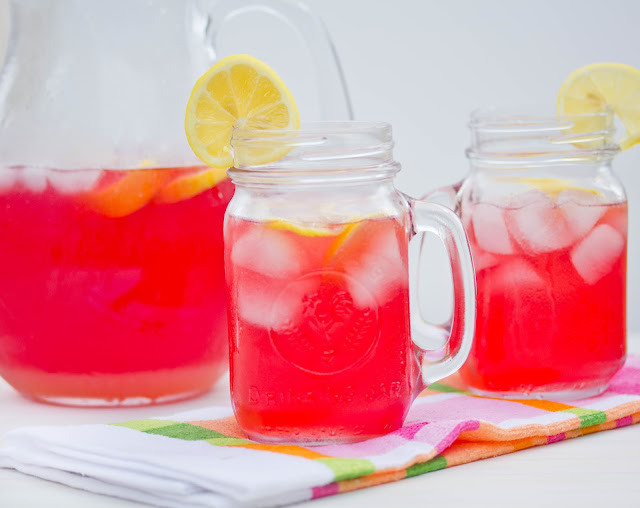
(157, 470)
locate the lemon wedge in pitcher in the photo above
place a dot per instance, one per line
(120, 193)
(599, 86)
(238, 91)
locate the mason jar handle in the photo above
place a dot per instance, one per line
(333, 96)
(456, 339)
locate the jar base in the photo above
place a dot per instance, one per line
(305, 441)
(125, 389)
(569, 394)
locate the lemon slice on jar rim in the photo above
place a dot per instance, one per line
(599, 86)
(238, 91)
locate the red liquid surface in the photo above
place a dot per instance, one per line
(551, 289)
(110, 310)
(319, 331)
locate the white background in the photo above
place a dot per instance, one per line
(425, 65)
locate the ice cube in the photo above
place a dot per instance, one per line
(523, 300)
(582, 210)
(618, 219)
(268, 251)
(273, 303)
(255, 296)
(595, 255)
(483, 260)
(379, 271)
(584, 197)
(73, 181)
(519, 274)
(490, 229)
(539, 225)
(8, 178)
(287, 309)
(34, 179)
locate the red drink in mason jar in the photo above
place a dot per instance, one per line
(112, 283)
(319, 331)
(323, 345)
(551, 286)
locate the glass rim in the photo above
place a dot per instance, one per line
(527, 118)
(531, 136)
(315, 127)
(316, 151)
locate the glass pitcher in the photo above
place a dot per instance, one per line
(547, 223)
(316, 253)
(111, 256)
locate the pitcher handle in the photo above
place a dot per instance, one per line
(333, 96)
(456, 340)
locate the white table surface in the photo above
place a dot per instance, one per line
(601, 469)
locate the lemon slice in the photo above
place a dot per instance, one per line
(186, 186)
(238, 91)
(550, 186)
(344, 235)
(120, 193)
(341, 233)
(284, 225)
(598, 86)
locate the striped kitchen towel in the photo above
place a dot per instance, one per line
(202, 459)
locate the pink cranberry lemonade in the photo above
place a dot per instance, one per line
(551, 271)
(319, 329)
(111, 284)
